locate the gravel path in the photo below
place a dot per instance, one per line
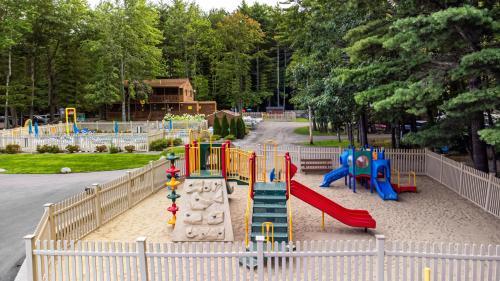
(21, 205)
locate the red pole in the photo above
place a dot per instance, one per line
(223, 159)
(287, 172)
(186, 158)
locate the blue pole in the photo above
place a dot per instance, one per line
(36, 128)
(354, 169)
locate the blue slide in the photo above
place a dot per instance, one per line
(384, 189)
(383, 185)
(334, 175)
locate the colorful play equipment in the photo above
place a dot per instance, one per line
(372, 170)
(172, 176)
(269, 205)
(71, 111)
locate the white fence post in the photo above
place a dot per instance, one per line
(460, 183)
(141, 256)
(97, 205)
(299, 158)
(29, 242)
(488, 191)
(260, 257)
(441, 169)
(129, 189)
(380, 244)
(49, 208)
(152, 176)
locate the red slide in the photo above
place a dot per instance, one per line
(354, 218)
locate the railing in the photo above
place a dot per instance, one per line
(411, 175)
(251, 182)
(478, 187)
(75, 217)
(237, 164)
(369, 260)
(287, 116)
(288, 194)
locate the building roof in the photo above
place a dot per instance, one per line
(164, 83)
(161, 83)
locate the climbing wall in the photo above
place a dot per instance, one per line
(204, 214)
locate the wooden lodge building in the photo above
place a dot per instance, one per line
(175, 96)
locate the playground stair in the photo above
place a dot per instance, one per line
(269, 205)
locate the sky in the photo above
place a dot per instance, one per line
(206, 5)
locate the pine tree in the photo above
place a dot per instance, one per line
(225, 127)
(217, 128)
(241, 129)
(233, 129)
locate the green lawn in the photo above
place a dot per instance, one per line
(179, 150)
(81, 162)
(305, 131)
(301, 119)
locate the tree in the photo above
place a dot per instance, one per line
(233, 127)
(13, 15)
(217, 128)
(125, 49)
(241, 129)
(224, 127)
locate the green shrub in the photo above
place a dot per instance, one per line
(48, 149)
(230, 137)
(224, 128)
(158, 145)
(114, 149)
(217, 127)
(129, 148)
(101, 148)
(233, 129)
(72, 148)
(241, 129)
(2, 150)
(12, 148)
(214, 137)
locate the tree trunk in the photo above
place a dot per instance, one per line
(478, 146)
(492, 147)
(122, 88)
(397, 133)
(393, 135)
(278, 76)
(32, 75)
(310, 125)
(350, 134)
(338, 134)
(9, 73)
(363, 128)
(13, 112)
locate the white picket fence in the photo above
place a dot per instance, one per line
(404, 160)
(310, 260)
(287, 116)
(478, 187)
(75, 217)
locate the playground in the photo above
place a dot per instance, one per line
(435, 213)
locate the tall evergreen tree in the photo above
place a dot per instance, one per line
(224, 131)
(233, 129)
(217, 128)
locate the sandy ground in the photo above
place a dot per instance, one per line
(435, 213)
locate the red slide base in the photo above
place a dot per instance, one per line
(354, 218)
(404, 188)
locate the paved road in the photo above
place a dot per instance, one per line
(21, 205)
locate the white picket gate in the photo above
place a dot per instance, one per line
(310, 260)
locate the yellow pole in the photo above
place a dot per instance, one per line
(265, 163)
(323, 221)
(427, 274)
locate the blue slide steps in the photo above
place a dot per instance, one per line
(334, 175)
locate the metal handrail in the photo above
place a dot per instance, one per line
(268, 225)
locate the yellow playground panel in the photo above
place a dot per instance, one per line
(68, 111)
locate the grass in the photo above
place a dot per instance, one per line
(305, 131)
(179, 150)
(301, 119)
(52, 163)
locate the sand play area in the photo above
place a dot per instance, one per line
(435, 213)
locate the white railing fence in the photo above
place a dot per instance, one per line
(75, 217)
(309, 260)
(478, 187)
(287, 116)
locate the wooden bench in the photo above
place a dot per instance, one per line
(316, 165)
